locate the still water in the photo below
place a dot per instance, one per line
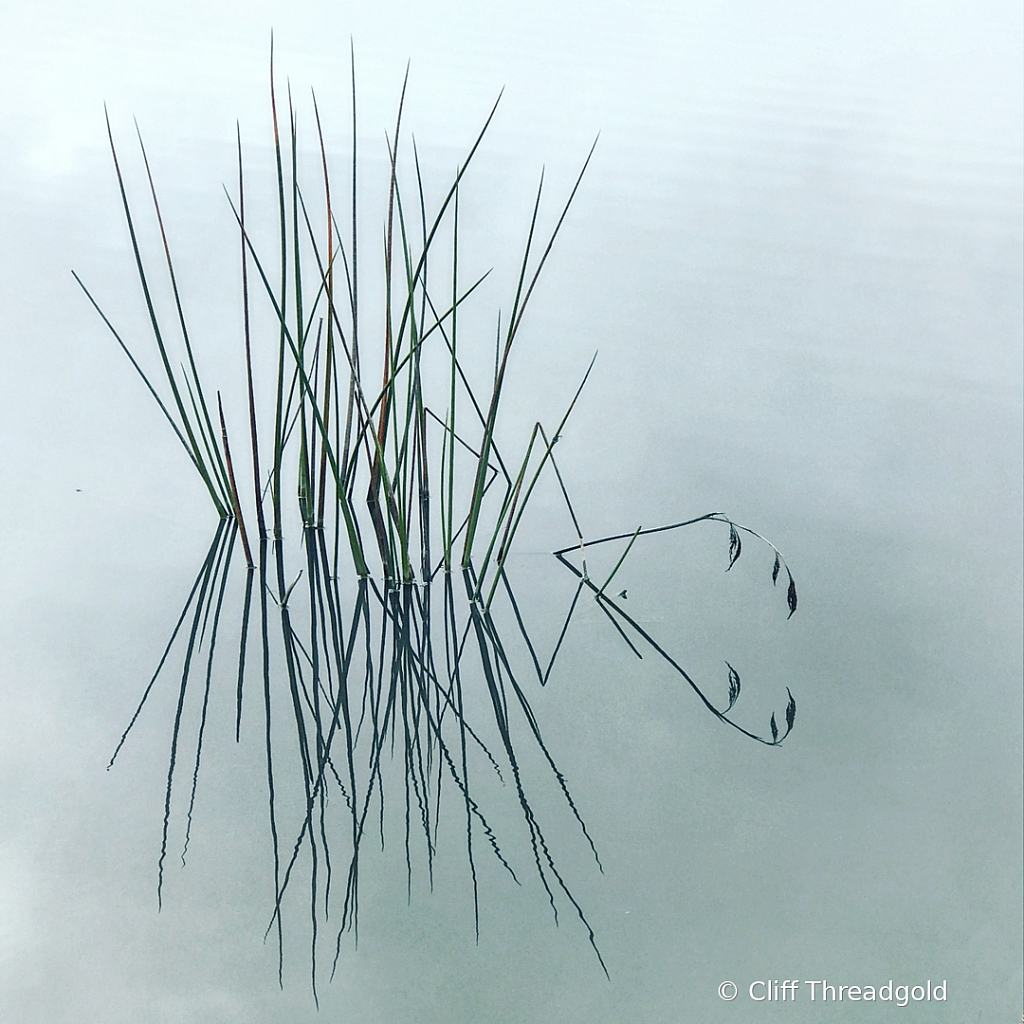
(797, 253)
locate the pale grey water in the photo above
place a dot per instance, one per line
(799, 254)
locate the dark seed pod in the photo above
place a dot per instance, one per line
(735, 547)
(734, 686)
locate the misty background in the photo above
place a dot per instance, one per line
(798, 254)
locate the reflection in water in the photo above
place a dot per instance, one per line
(373, 678)
(370, 654)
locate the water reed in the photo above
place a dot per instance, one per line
(378, 632)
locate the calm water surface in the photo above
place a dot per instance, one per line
(798, 254)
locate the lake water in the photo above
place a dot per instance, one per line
(798, 254)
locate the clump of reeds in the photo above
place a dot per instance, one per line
(376, 644)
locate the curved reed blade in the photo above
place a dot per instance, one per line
(185, 421)
(223, 572)
(204, 426)
(236, 505)
(199, 582)
(199, 618)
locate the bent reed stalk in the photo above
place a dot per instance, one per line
(399, 491)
